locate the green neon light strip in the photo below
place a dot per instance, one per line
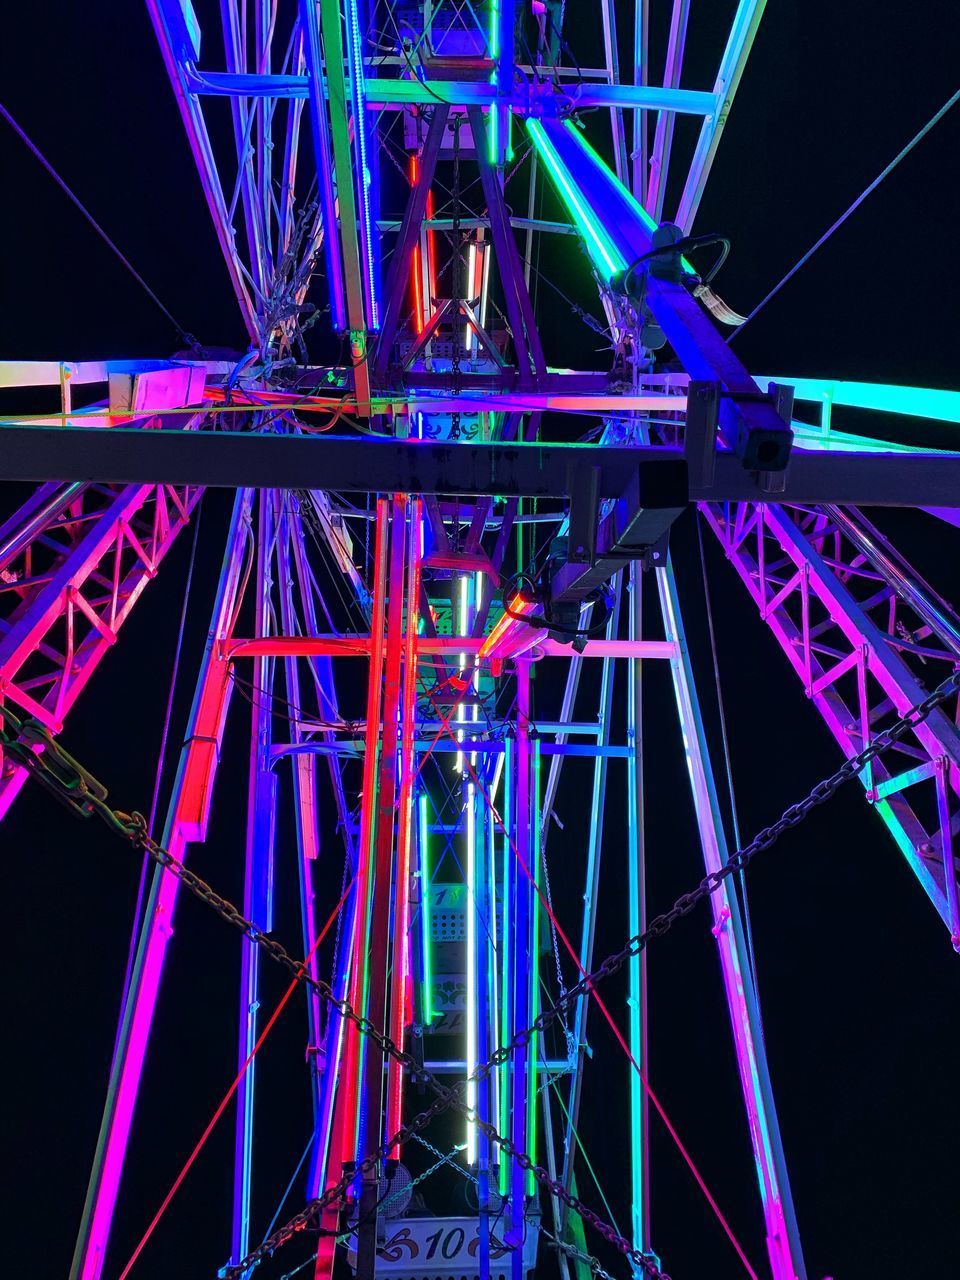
(426, 943)
(816, 440)
(619, 189)
(916, 402)
(493, 116)
(605, 255)
(583, 1152)
(504, 1070)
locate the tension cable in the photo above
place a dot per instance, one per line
(918, 137)
(182, 333)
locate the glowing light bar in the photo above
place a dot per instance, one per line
(817, 440)
(510, 635)
(604, 254)
(508, 881)
(426, 944)
(883, 397)
(536, 1046)
(493, 132)
(472, 1002)
(364, 177)
(416, 273)
(618, 190)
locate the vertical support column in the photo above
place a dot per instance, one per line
(746, 21)
(524, 1059)
(410, 229)
(401, 991)
(241, 109)
(323, 154)
(783, 1237)
(381, 802)
(504, 16)
(532, 975)
(486, 916)
(187, 818)
(612, 55)
(562, 1259)
(257, 881)
(290, 539)
(637, 922)
(507, 948)
(666, 120)
(641, 72)
(346, 1104)
(340, 132)
(197, 136)
(590, 898)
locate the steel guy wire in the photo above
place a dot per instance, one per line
(902, 154)
(28, 142)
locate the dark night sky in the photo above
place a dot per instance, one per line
(859, 984)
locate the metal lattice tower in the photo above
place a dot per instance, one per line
(416, 527)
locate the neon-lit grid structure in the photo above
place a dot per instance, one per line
(433, 513)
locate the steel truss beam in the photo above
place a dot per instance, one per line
(187, 817)
(74, 560)
(862, 643)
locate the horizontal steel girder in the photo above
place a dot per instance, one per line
(401, 93)
(364, 465)
(359, 647)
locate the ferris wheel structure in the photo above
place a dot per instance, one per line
(423, 529)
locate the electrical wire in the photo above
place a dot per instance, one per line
(905, 151)
(21, 133)
(293, 1177)
(686, 244)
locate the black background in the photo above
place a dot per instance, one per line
(859, 982)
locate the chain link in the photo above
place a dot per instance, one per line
(33, 746)
(737, 861)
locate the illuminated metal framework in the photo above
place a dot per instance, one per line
(478, 548)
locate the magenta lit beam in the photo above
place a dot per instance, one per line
(186, 823)
(401, 994)
(121, 536)
(257, 880)
(346, 1102)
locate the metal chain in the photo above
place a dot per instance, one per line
(32, 745)
(410, 1186)
(707, 886)
(571, 1251)
(737, 861)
